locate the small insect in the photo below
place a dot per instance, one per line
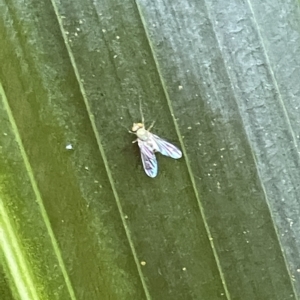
(150, 143)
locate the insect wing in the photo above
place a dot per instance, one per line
(148, 159)
(166, 148)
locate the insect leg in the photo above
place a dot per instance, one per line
(151, 126)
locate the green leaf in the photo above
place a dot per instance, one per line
(79, 219)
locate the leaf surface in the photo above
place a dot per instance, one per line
(80, 219)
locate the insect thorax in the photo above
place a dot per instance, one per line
(142, 134)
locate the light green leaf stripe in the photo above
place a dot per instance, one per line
(99, 142)
(12, 239)
(15, 259)
(188, 163)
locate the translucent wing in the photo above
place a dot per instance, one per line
(148, 159)
(166, 148)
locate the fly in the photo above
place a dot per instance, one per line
(150, 143)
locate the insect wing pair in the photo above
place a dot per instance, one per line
(149, 144)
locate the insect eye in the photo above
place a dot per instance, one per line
(136, 126)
